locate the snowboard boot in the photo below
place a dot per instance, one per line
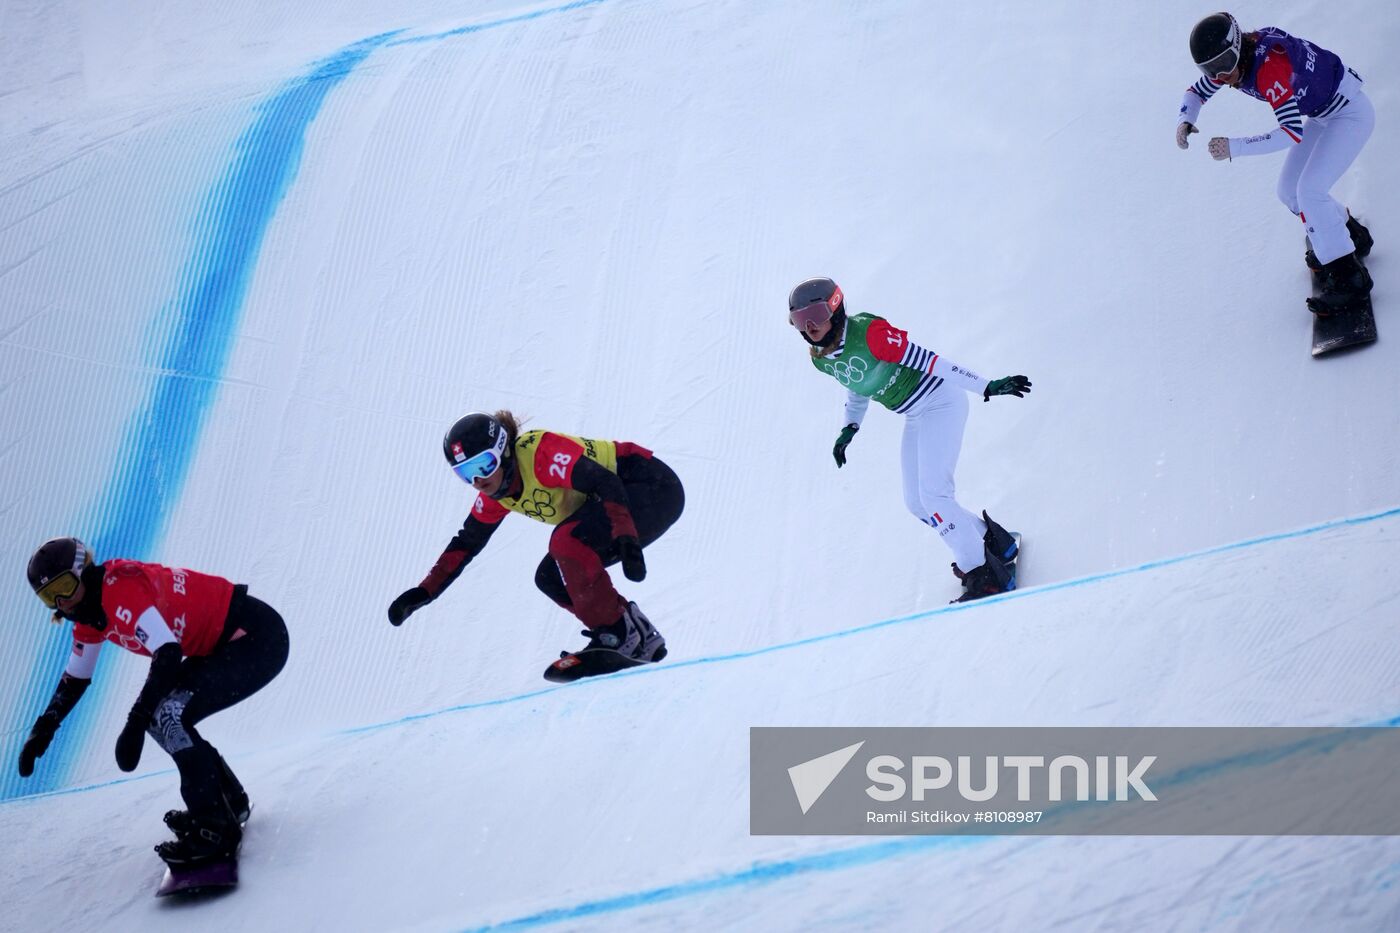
(987, 580)
(235, 797)
(1361, 242)
(198, 841)
(180, 821)
(632, 636)
(1360, 237)
(1342, 284)
(999, 542)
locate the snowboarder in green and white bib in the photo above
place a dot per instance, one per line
(872, 359)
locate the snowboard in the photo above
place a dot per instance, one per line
(1354, 327)
(204, 878)
(592, 662)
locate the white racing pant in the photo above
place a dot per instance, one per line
(933, 433)
(1330, 144)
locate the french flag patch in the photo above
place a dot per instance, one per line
(936, 520)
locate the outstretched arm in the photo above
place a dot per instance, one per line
(466, 544)
(65, 696)
(1275, 81)
(892, 345)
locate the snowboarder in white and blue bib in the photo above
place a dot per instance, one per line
(1299, 80)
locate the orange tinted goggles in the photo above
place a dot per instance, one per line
(62, 586)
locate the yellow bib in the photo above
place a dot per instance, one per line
(552, 504)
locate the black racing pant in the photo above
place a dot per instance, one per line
(251, 651)
(582, 545)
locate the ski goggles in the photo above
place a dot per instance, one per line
(818, 312)
(62, 586)
(1223, 63)
(481, 465)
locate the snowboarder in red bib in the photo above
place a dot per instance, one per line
(607, 500)
(210, 644)
(873, 359)
(1298, 80)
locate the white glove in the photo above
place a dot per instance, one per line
(1219, 148)
(1184, 129)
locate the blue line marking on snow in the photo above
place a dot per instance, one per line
(1024, 593)
(830, 636)
(761, 873)
(163, 435)
(1391, 722)
(492, 24)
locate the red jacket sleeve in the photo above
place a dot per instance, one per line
(887, 343)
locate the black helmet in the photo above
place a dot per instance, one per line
(1215, 44)
(817, 301)
(813, 291)
(476, 446)
(57, 568)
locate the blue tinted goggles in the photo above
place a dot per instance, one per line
(478, 467)
(482, 465)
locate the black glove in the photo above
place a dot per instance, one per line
(630, 550)
(38, 742)
(132, 740)
(843, 440)
(407, 603)
(1018, 386)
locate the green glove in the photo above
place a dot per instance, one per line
(1018, 386)
(842, 442)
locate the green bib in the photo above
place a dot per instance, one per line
(857, 368)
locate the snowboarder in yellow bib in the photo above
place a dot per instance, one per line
(607, 500)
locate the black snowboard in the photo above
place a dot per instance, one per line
(1354, 327)
(592, 663)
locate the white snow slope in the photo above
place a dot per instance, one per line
(254, 260)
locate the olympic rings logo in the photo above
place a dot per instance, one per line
(847, 373)
(539, 506)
